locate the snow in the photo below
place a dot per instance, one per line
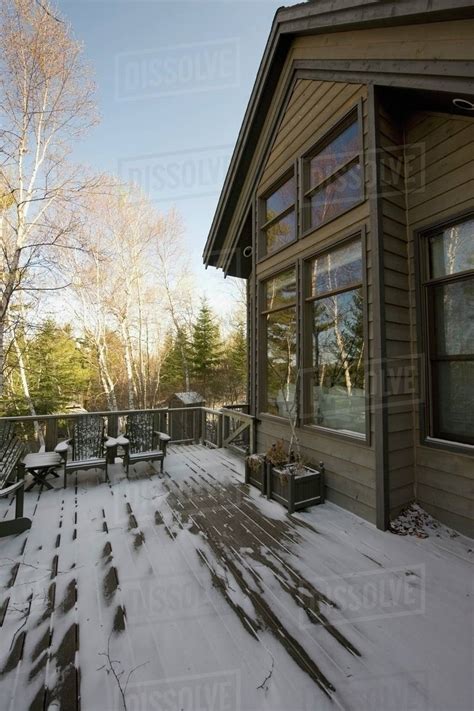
(229, 603)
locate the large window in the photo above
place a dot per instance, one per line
(279, 217)
(280, 333)
(333, 174)
(449, 299)
(336, 303)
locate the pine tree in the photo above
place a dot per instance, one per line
(56, 370)
(173, 372)
(206, 351)
(236, 365)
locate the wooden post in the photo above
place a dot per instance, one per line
(225, 428)
(196, 423)
(291, 494)
(220, 430)
(253, 437)
(268, 474)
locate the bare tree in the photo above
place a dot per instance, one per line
(46, 102)
(125, 283)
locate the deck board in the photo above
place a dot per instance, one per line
(214, 598)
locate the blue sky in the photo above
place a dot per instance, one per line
(174, 79)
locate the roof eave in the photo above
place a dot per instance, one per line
(310, 18)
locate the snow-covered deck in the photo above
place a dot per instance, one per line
(190, 591)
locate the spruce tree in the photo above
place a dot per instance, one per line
(206, 351)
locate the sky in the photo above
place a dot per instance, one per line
(173, 82)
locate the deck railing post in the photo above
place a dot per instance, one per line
(225, 428)
(196, 422)
(253, 438)
(220, 430)
(51, 437)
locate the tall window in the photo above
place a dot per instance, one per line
(280, 333)
(279, 217)
(332, 174)
(337, 305)
(449, 297)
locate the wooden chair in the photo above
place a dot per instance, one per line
(142, 443)
(88, 448)
(12, 478)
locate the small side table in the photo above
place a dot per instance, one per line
(40, 466)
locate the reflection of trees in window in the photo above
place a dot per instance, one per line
(449, 295)
(280, 324)
(338, 339)
(279, 227)
(332, 174)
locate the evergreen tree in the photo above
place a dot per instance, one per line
(236, 365)
(173, 372)
(206, 351)
(56, 370)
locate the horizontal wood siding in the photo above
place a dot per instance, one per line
(314, 107)
(444, 480)
(436, 40)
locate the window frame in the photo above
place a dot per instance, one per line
(263, 225)
(425, 331)
(307, 347)
(263, 335)
(355, 114)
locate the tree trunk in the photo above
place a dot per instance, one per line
(107, 382)
(26, 390)
(128, 365)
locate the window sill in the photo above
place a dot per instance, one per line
(354, 437)
(448, 445)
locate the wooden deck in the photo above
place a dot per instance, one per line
(190, 591)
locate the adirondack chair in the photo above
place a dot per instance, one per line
(88, 448)
(12, 478)
(142, 443)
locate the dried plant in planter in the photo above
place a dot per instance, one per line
(277, 455)
(255, 461)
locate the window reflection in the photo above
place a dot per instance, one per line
(279, 220)
(281, 363)
(339, 375)
(280, 327)
(338, 391)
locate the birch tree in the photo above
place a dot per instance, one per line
(46, 103)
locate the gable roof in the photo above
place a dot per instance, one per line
(308, 18)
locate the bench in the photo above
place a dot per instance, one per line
(12, 478)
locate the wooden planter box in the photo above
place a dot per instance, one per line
(295, 491)
(257, 476)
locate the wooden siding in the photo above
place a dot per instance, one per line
(396, 313)
(441, 41)
(313, 109)
(433, 41)
(444, 480)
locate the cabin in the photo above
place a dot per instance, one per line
(348, 207)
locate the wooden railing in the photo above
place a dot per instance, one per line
(228, 427)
